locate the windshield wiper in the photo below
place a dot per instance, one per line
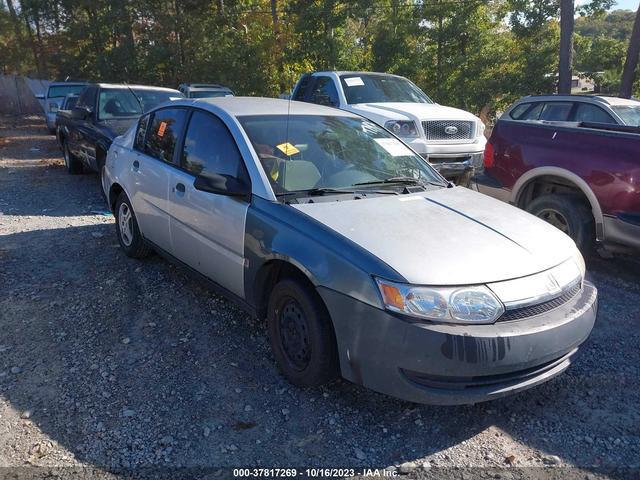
(401, 180)
(312, 192)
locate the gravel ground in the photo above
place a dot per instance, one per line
(111, 363)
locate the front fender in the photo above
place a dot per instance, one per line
(275, 231)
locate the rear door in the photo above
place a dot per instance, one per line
(152, 166)
(208, 229)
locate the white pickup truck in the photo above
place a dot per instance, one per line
(452, 140)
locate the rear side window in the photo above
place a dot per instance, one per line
(302, 88)
(556, 111)
(527, 111)
(210, 148)
(325, 92)
(141, 133)
(166, 126)
(591, 113)
(519, 111)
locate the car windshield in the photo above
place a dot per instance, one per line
(57, 91)
(630, 114)
(366, 88)
(309, 152)
(120, 102)
(210, 93)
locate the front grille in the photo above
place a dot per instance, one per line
(540, 308)
(448, 129)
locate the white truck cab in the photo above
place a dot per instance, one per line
(452, 140)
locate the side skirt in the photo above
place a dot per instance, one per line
(216, 287)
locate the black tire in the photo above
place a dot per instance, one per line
(73, 164)
(570, 215)
(129, 237)
(301, 335)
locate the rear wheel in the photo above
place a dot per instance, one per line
(129, 235)
(73, 164)
(301, 335)
(568, 214)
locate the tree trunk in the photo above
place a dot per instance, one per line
(630, 64)
(567, 12)
(277, 35)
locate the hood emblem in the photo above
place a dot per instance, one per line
(450, 130)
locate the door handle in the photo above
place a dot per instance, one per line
(136, 164)
(180, 188)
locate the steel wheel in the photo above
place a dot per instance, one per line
(556, 219)
(294, 334)
(124, 221)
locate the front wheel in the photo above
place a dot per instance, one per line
(73, 164)
(569, 214)
(129, 235)
(301, 335)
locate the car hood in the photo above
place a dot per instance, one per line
(116, 127)
(451, 236)
(412, 111)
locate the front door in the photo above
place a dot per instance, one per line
(207, 229)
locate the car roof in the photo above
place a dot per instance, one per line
(610, 100)
(243, 106)
(195, 86)
(353, 72)
(137, 87)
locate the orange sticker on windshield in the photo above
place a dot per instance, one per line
(162, 128)
(287, 148)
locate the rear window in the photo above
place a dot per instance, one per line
(58, 91)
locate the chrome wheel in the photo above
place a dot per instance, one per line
(294, 335)
(125, 222)
(556, 219)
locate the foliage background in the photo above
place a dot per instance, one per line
(476, 54)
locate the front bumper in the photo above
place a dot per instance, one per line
(456, 364)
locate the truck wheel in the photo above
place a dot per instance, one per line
(73, 164)
(301, 335)
(129, 235)
(568, 214)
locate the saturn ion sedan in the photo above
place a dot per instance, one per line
(363, 261)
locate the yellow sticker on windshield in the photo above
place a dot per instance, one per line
(287, 149)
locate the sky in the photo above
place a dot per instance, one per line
(626, 4)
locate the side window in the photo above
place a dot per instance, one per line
(592, 113)
(141, 133)
(87, 97)
(165, 129)
(302, 88)
(210, 148)
(556, 111)
(324, 92)
(519, 111)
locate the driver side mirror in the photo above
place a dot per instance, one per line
(80, 113)
(222, 185)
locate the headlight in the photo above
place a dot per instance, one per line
(402, 128)
(481, 128)
(474, 304)
(53, 107)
